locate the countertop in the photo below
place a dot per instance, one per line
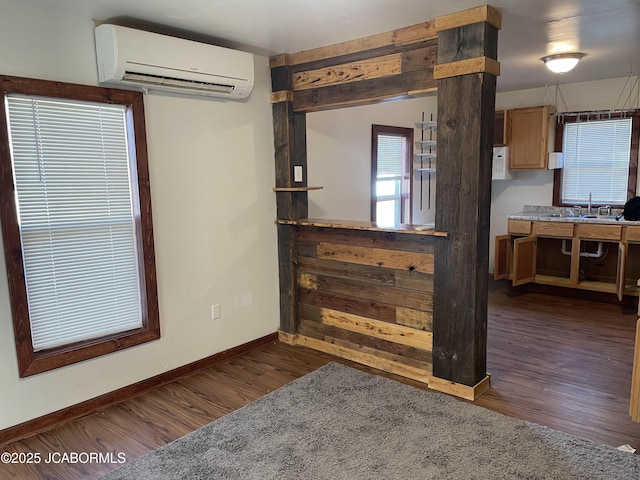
(370, 226)
(560, 214)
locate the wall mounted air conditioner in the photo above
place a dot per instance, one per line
(152, 61)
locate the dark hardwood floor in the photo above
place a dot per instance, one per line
(560, 362)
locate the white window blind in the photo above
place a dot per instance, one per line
(74, 198)
(596, 161)
(391, 156)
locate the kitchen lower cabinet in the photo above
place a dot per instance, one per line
(595, 257)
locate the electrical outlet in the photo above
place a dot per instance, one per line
(215, 311)
(297, 173)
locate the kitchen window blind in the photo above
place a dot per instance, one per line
(73, 180)
(596, 161)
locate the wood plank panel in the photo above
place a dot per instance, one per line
(365, 92)
(335, 301)
(306, 248)
(332, 334)
(402, 359)
(414, 318)
(358, 354)
(384, 330)
(377, 293)
(415, 33)
(366, 55)
(354, 271)
(363, 238)
(349, 72)
(402, 36)
(420, 58)
(307, 281)
(422, 282)
(377, 256)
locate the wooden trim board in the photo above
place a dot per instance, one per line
(359, 357)
(403, 36)
(282, 96)
(441, 385)
(483, 13)
(466, 67)
(460, 390)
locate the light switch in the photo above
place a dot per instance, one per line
(297, 173)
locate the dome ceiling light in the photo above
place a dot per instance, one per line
(562, 62)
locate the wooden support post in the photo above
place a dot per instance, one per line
(288, 279)
(290, 143)
(466, 82)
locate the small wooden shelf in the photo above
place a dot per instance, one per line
(295, 189)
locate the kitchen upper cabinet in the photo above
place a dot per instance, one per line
(529, 130)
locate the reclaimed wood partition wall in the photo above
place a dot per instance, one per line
(333, 300)
(366, 296)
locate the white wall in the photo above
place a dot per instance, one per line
(339, 145)
(212, 170)
(339, 157)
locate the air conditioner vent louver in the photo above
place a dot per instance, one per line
(156, 80)
(161, 62)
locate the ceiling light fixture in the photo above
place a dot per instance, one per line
(562, 62)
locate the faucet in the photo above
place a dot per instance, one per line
(589, 209)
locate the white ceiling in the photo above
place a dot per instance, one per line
(608, 31)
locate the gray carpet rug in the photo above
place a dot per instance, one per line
(340, 423)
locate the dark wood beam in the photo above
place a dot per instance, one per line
(466, 104)
(396, 64)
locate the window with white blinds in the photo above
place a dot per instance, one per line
(76, 218)
(390, 172)
(391, 156)
(596, 161)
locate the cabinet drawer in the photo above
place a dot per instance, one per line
(520, 226)
(600, 232)
(553, 229)
(631, 234)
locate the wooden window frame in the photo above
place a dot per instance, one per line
(30, 362)
(633, 154)
(408, 133)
